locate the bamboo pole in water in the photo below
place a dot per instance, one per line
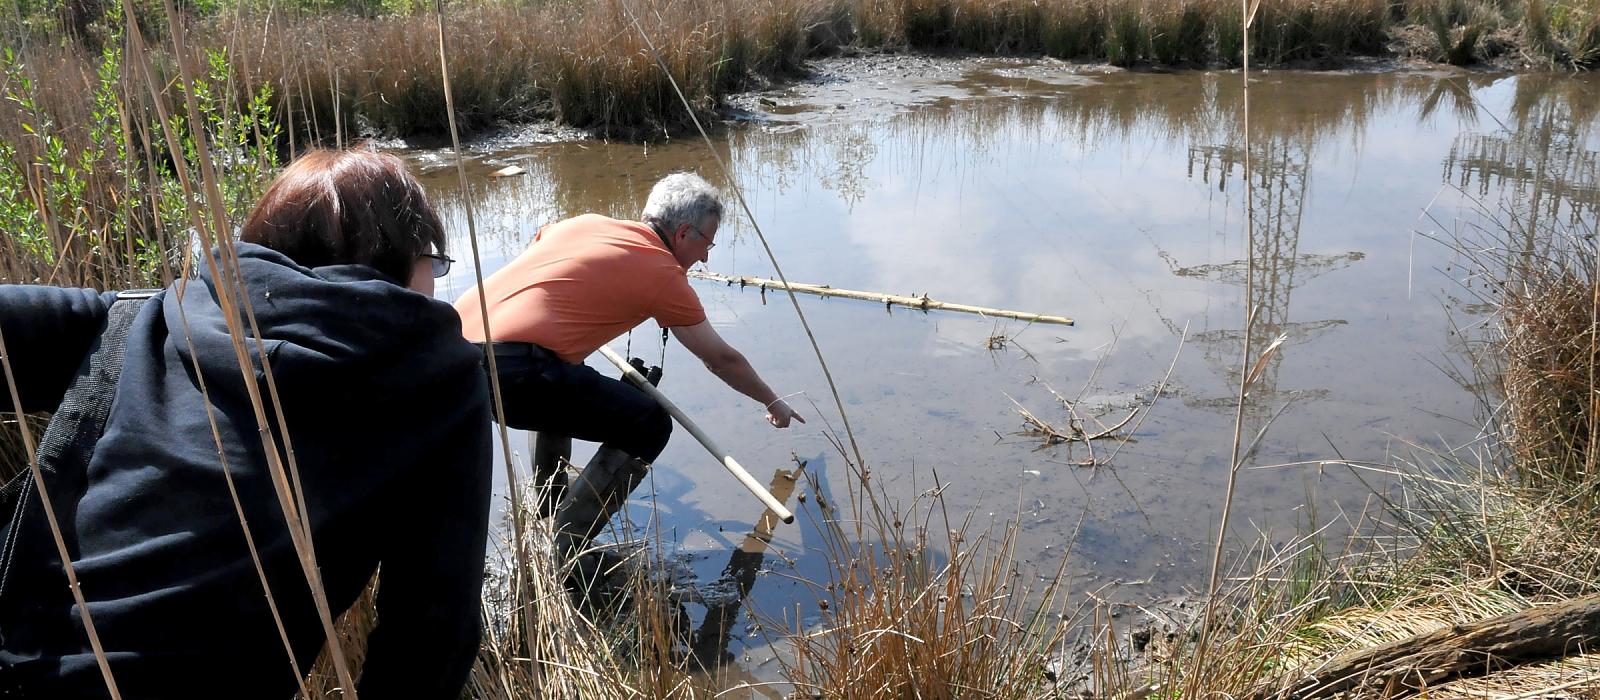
(921, 303)
(726, 459)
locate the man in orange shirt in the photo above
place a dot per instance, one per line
(583, 282)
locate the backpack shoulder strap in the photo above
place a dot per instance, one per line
(69, 440)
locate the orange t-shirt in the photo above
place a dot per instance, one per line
(581, 283)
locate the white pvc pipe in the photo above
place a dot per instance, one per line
(732, 465)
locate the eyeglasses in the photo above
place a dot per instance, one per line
(709, 243)
(441, 263)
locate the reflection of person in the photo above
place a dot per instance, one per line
(388, 415)
(581, 283)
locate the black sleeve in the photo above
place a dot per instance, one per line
(47, 333)
(431, 580)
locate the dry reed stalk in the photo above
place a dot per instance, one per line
(281, 466)
(518, 521)
(1247, 15)
(1550, 330)
(566, 653)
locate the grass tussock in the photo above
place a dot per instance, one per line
(1548, 317)
(538, 643)
(900, 617)
(1457, 26)
(1564, 32)
(586, 65)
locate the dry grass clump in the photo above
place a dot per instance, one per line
(1428, 610)
(1549, 379)
(1457, 26)
(1125, 32)
(1564, 32)
(341, 75)
(538, 643)
(901, 618)
(1455, 544)
(583, 64)
(1529, 515)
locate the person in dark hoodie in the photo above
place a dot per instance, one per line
(388, 422)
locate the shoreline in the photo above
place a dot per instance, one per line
(911, 79)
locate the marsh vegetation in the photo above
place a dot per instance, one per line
(100, 186)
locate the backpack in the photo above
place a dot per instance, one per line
(64, 450)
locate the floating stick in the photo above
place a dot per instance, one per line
(921, 303)
(727, 460)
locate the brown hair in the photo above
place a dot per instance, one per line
(342, 207)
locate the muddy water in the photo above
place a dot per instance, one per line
(1114, 198)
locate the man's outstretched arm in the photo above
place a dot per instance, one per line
(734, 370)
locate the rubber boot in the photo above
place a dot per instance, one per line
(600, 491)
(551, 454)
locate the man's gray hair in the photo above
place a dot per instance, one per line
(681, 198)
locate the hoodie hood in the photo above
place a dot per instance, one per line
(314, 322)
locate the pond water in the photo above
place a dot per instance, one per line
(1114, 198)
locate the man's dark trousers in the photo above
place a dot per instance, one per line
(543, 393)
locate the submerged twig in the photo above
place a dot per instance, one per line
(1072, 432)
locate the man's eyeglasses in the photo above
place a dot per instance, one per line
(709, 243)
(441, 263)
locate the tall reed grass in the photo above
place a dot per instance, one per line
(88, 189)
(581, 64)
(332, 72)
